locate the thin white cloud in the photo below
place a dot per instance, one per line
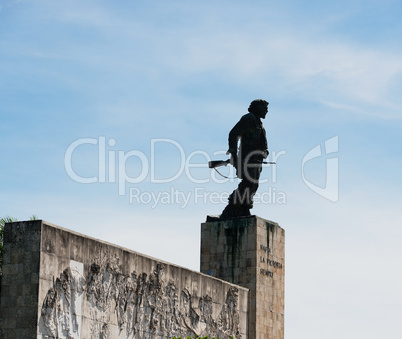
(325, 71)
(321, 68)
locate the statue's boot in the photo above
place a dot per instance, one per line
(234, 211)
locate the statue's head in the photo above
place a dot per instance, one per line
(259, 107)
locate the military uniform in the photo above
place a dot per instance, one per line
(248, 162)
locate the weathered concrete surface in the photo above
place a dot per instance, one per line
(20, 282)
(61, 284)
(250, 252)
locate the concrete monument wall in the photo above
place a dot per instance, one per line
(61, 284)
(250, 252)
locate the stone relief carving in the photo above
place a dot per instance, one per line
(140, 306)
(61, 309)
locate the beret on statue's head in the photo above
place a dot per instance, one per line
(257, 104)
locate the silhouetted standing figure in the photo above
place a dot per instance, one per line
(247, 159)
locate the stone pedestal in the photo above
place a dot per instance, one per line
(250, 252)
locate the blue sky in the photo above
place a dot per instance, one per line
(136, 71)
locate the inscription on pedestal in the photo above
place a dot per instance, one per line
(250, 252)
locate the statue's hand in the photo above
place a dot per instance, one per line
(265, 154)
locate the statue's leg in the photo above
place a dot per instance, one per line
(254, 184)
(241, 200)
(243, 196)
(230, 210)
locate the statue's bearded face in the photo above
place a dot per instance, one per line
(262, 111)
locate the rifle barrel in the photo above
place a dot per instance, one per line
(218, 163)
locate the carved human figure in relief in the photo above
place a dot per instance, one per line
(189, 316)
(59, 311)
(155, 298)
(145, 307)
(77, 288)
(207, 323)
(247, 159)
(171, 309)
(229, 317)
(131, 305)
(49, 314)
(122, 300)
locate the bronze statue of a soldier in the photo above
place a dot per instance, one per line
(248, 159)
